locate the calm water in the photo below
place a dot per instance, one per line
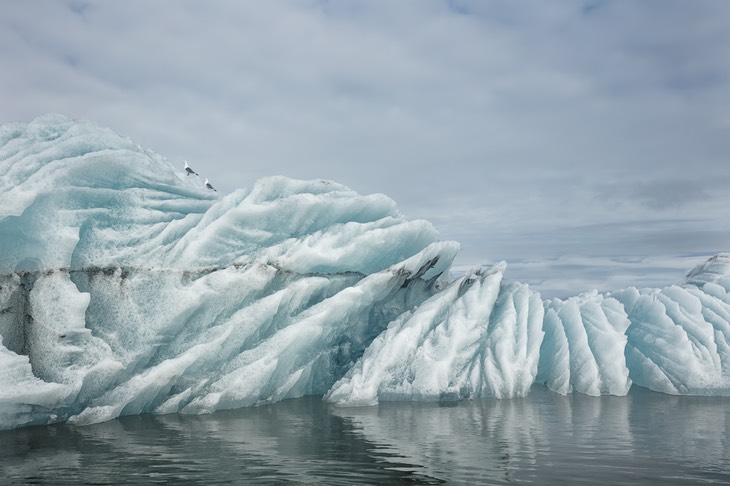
(645, 438)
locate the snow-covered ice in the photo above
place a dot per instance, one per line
(127, 286)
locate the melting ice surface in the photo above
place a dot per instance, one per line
(126, 287)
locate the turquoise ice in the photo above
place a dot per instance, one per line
(127, 286)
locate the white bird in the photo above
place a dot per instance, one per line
(207, 184)
(188, 170)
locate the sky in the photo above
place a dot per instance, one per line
(584, 142)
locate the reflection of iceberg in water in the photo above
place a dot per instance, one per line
(544, 438)
(294, 441)
(477, 442)
(127, 287)
(490, 441)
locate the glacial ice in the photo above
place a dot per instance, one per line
(127, 287)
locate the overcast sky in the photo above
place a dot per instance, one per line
(584, 142)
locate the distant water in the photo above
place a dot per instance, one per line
(545, 439)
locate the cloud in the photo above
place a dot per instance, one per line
(669, 194)
(524, 130)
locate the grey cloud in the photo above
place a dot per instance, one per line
(664, 194)
(517, 128)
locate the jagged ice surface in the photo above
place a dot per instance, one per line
(126, 287)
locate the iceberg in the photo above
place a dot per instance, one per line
(127, 286)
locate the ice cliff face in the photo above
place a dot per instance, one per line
(126, 286)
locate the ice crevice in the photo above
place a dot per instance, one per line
(127, 287)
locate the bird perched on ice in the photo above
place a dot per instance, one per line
(188, 170)
(207, 184)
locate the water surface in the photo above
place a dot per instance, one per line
(644, 438)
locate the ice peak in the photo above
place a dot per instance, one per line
(715, 270)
